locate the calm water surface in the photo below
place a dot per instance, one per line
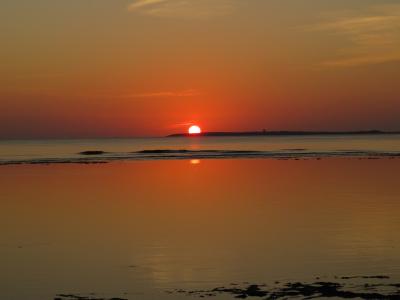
(136, 229)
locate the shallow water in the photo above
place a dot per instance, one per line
(138, 229)
(127, 149)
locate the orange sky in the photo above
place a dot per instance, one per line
(146, 68)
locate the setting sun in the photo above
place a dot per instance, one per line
(194, 129)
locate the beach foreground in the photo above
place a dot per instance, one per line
(169, 229)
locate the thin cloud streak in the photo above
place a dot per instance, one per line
(140, 4)
(166, 94)
(183, 124)
(187, 9)
(374, 37)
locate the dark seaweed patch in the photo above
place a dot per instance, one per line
(301, 290)
(92, 152)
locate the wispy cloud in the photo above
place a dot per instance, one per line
(165, 94)
(197, 9)
(140, 4)
(183, 124)
(372, 37)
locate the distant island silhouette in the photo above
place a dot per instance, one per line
(282, 133)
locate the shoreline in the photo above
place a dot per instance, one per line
(100, 157)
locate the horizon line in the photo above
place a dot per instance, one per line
(210, 133)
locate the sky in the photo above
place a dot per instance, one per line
(121, 68)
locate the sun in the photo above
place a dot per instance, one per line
(194, 129)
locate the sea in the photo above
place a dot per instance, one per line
(290, 217)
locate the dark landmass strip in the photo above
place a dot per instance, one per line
(283, 133)
(52, 161)
(300, 290)
(180, 151)
(161, 151)
(366, 277)
(78, 297)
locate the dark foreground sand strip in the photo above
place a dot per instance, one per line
(345, 287)
(300, 290)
